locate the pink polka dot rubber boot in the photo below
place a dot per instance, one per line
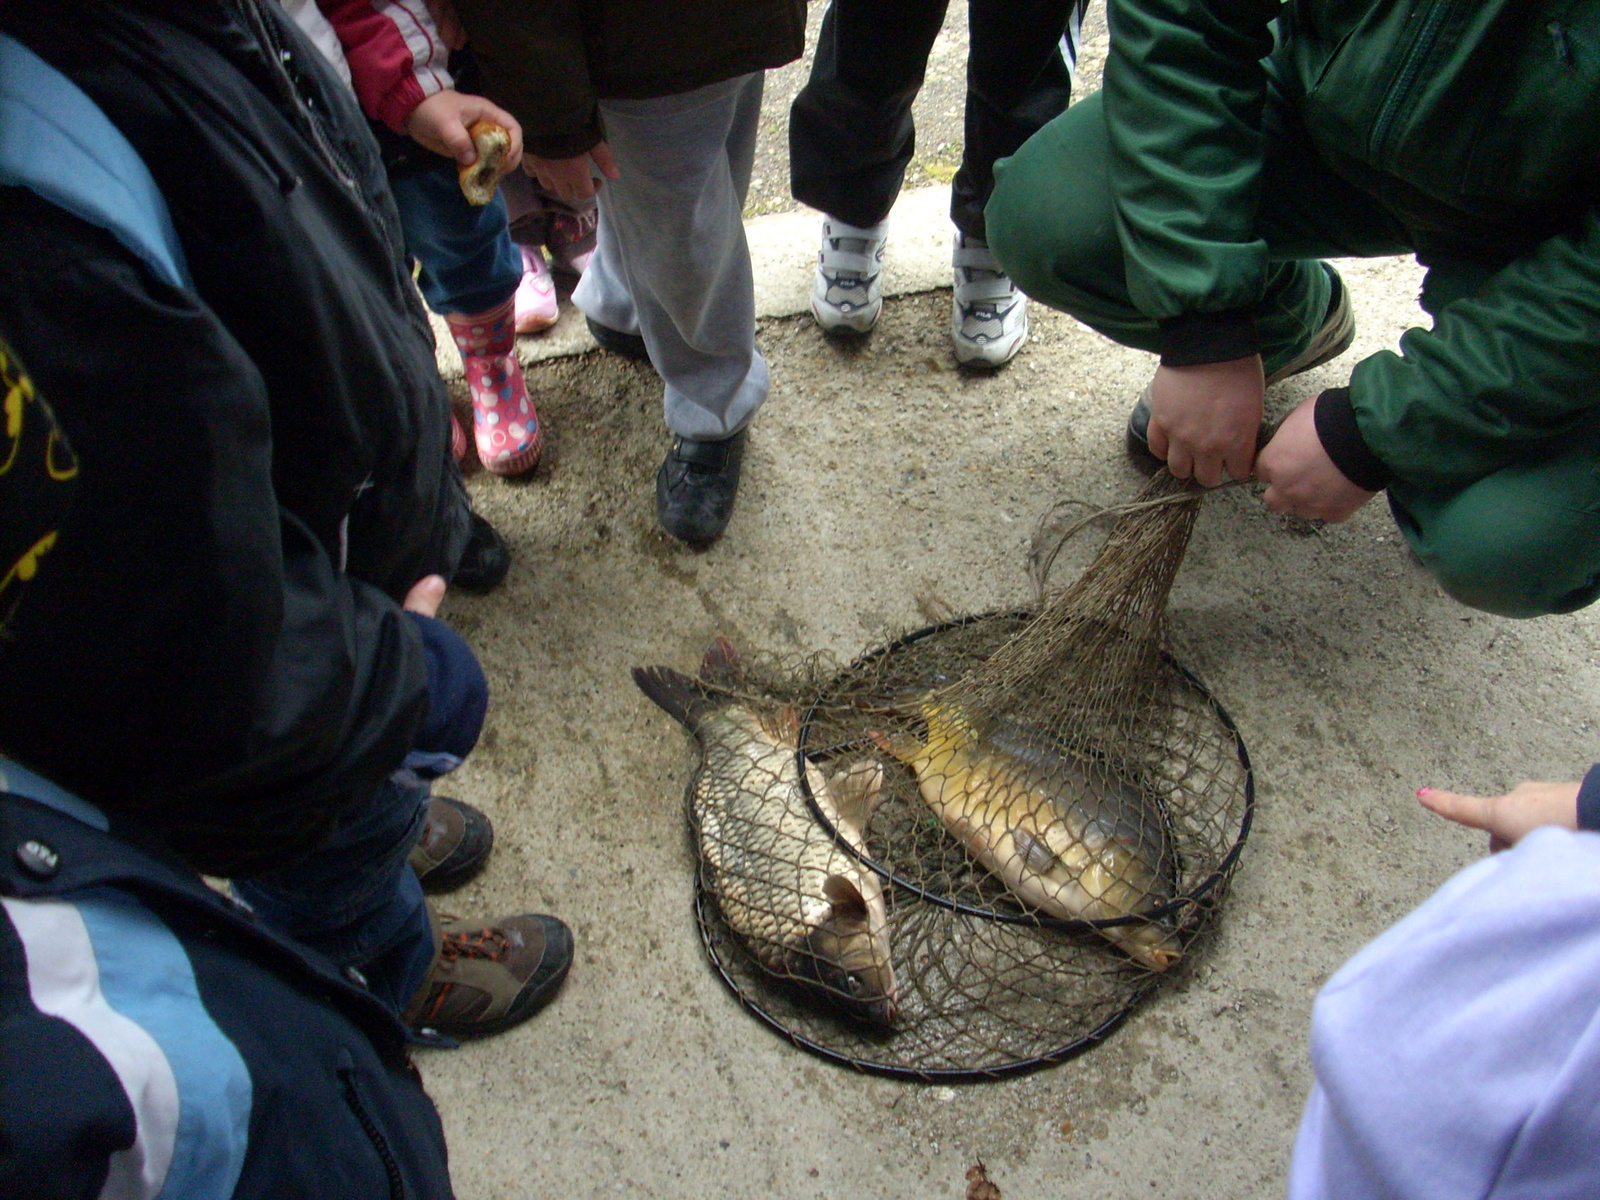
(505, 426)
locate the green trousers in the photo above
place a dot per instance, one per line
(1522, 542)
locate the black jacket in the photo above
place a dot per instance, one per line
(296, 1082)
(216, 648)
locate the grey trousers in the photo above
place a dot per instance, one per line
(672, 263)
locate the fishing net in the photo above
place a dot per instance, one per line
(974, 850)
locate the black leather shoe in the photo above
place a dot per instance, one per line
(695, 488)
(484, 562)
(629, 345)
(1139, 435)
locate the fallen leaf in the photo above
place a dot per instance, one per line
(979, 1186)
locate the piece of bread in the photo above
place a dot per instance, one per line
(478, 180)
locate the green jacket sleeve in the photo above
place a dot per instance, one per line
(1514, 363)
(534, 62)
(1185, 87)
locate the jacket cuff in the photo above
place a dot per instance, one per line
(1192, 339)
(1341, 439)
(396, 105)
(1589, 800)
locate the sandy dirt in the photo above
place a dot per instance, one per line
(880, 483)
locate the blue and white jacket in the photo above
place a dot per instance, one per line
(156, 1042)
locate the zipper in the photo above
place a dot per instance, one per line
(397, 1187)
(1421, 47)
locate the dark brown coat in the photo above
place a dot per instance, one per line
(548, 61)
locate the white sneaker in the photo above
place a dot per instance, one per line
(989, 317)
(847, 293)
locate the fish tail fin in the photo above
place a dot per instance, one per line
(722, 666)
(684, 698)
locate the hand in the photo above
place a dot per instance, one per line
(440, 123)
(1507, 818)
(1204, 419)
(449, 25)
(572, 179)
(425, 596)
(1300, 477)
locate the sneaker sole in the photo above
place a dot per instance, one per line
(982, 355)
(847, 325)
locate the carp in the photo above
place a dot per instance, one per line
(808, 911)
(1066, 839)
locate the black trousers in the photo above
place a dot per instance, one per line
(850, 130)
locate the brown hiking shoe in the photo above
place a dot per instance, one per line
(488, 976)
(454, 845)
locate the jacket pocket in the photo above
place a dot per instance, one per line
(349, 1080)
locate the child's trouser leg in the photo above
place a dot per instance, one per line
(672, 261)
(1018, 79)
(1522, 542)
(469, 263)
(850, 128)
(1052, 225)
(356, 898)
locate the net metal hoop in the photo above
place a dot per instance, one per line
(912, 1053)
(1011, 1070)
(1223, 869)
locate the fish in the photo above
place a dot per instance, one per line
(1066, 839)
(807, 909)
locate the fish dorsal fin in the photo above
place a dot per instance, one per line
(721, 665)
(855, 791)
(1036, 856)
(845, 896)
(782, 726)
(948, 727)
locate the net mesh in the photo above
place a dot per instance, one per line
(972, 851)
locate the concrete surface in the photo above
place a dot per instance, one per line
(882, 482)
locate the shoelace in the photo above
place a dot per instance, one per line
(489, 943)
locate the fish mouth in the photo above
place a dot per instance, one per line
(879, 1013)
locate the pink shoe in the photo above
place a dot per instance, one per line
(458, 438)
(505, 425)
(536, 295)
(571, 239)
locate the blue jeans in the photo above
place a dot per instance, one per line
(469, 262)
(356, 898)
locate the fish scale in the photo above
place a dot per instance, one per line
(807, 910)
(768, 856)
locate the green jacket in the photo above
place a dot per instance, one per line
(1476, 123)
(548, 61)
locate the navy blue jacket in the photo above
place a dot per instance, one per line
(265, 458)
(152, 1033)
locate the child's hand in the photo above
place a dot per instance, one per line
(425, 596)
(1507, 818)
(441, 122)
(572, 179)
